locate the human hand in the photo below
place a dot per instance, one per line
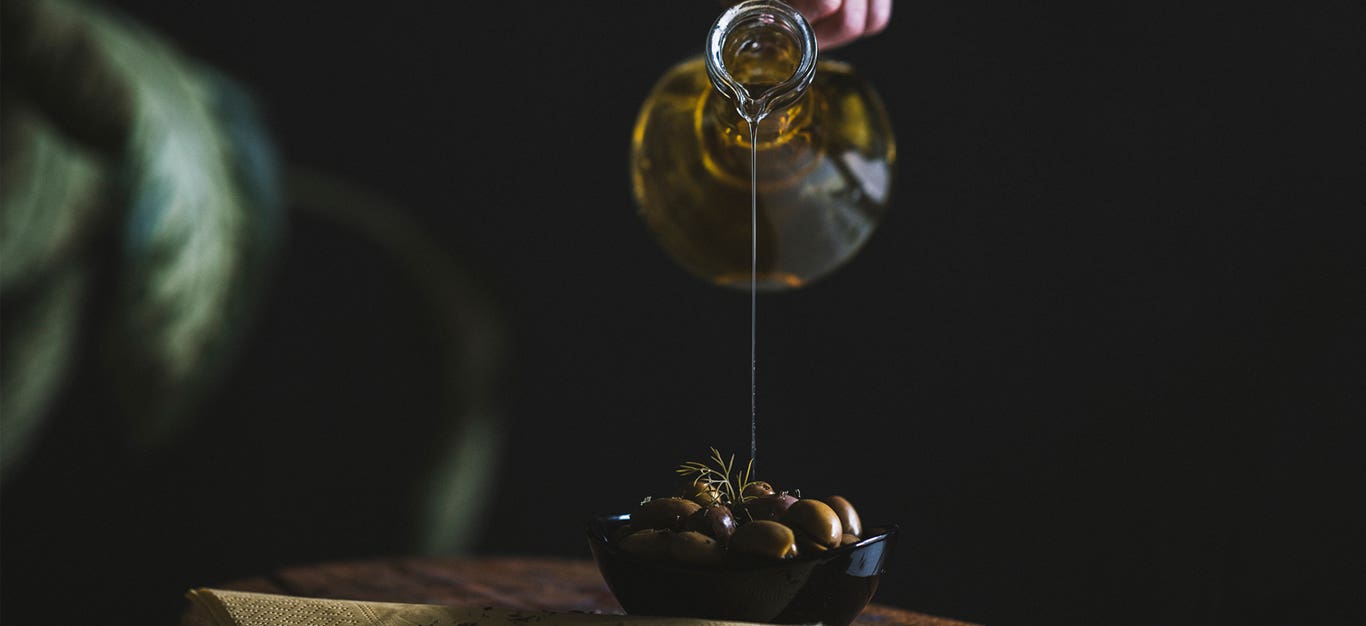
(838, 22)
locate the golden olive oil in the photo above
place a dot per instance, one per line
(755, 166)
(823, 177)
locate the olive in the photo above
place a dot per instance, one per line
(756, 489)
(807, 546)
(648, 543)
(664, 513)
(769, 507)
(765, 539)
(848, 539)
(715, 521)
(700, 492)
(849, 518)
(693, 547)
(814, 520)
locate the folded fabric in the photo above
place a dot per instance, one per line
(220, 607)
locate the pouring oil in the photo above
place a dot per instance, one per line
(756, 167)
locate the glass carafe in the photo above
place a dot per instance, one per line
(823, 161)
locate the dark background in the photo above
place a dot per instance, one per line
(1103, 360)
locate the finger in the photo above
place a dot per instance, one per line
(816, 10)
(844, 25)
(879, 15)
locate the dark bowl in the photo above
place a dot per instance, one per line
(832, 588)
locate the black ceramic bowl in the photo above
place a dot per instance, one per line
(832, 588)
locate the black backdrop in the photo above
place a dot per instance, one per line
(1102, 361)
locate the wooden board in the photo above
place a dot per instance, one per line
(524, 583)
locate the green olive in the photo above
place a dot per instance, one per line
(715, 521)
(648, 543)
(756, 489)
(814, 520)
(764, 539)
(849, 518)
(664, 513)
(695, 548)
(769, 507)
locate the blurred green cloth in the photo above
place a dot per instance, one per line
(125, 161)
(143, 213)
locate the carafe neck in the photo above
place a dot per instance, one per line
(761, 55)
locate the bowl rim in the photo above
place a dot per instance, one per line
(885, 533)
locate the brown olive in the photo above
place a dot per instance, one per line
(769, 507)
(756, 489)
(849, 518)
(648, 543)
(664, 513)
(700, 492)
(765, 539)
(694, 547)
(848, 539)
(807, 546)
(715, 521)
(814, 520)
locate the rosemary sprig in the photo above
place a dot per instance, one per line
(719, 473)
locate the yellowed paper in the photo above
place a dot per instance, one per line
(219, 607)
